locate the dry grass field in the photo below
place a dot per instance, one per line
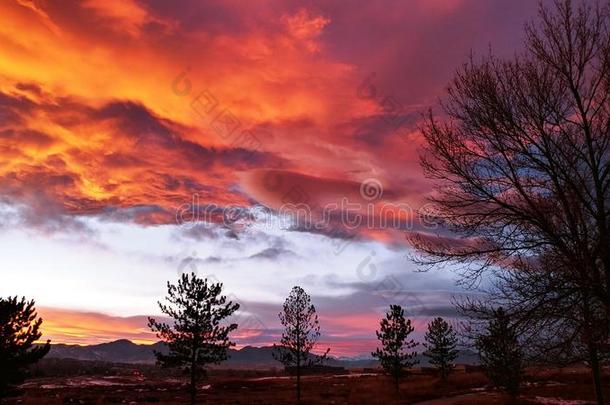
(566, 386)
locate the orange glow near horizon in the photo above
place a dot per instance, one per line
(86, 328)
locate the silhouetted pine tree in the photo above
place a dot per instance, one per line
(500, 353)
(19, 329)
(301, 333)
(441, 343)
(197, 337)
(394, 355)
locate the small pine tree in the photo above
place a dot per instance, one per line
(441, 343)
(19, 329)
(500, 353)
(196, 337)
(300, 335)
(394, 355)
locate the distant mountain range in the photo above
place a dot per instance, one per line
(125, 351)
(119, 351)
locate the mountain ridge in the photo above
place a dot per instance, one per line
(126, 351)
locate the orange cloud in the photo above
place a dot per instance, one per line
(306, 27)
(99, 118)
(138, 105)
(125, 15)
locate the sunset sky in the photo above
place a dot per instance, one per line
(143, 139)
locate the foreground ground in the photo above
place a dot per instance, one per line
(132, 386)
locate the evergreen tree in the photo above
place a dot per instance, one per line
(500, 353)
(197, 336)
(301, 333)
(19, 329)
(441, 343)
(394, 355)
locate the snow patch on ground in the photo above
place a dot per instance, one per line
(559, 401)
(352, 375)
(269, 378)
(110, 381)
(355, 375)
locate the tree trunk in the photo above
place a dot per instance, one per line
(193, 384)
(595, 371)
(299, 348)
(397, 370)
(193, 388)
(298, 383)
(591, 340)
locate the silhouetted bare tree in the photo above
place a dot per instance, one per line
(522, 162)
(197, 336)
(301, 333)
(19, 329)
(441, 342)
(557, 323)
(394, 354)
